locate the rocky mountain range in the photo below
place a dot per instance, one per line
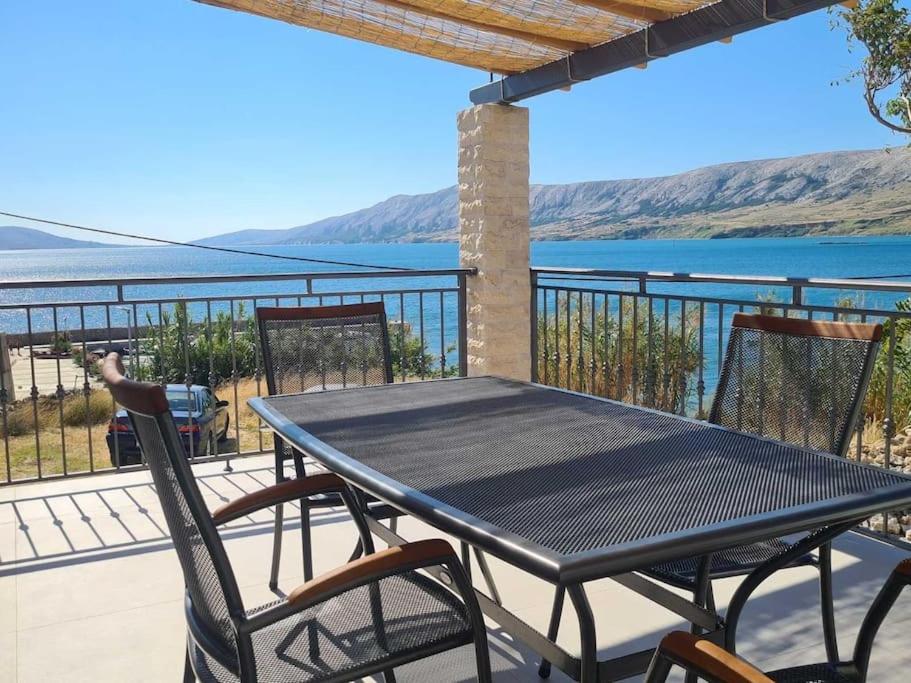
(832, 193)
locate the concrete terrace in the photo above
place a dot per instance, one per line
(90, 588)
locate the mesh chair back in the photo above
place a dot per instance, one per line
(209, 580)
(324, 347)
(794, 380)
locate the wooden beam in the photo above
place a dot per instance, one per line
(499, 29)
(628, 10)
(682, 32)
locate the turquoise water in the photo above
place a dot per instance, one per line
(830, 257)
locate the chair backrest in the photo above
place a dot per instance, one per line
(795, 380)
(324, 347)
(209, 580)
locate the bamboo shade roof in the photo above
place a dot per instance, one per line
(500, 36)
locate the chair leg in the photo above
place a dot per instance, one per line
(827, 598)
(482, 657)
(658, 670)
(278, 449)
(695, 630)
(388, 676)
(553, 628)
(306, 545)
(188, 675)
(277, 545)
(701, 596)
(300, 471)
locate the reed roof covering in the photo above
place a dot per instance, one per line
(500, 36)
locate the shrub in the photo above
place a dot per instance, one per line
(79, 410)
(182, 348)
(20, 419)
(418, 362)
(630, 365)
(898, 332)
(61, 343)
(201, 352)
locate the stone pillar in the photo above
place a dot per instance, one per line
(494, 238)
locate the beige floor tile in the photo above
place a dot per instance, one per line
(8, 533)
(88, 587)
(7, 511)
(8, 599)
(143, 645)
(8, 652)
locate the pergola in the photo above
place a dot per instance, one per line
(535, 46)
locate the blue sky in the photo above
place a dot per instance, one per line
(181, 120)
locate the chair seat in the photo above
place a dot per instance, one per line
(731, 562)
(814, 673)
(417, 617)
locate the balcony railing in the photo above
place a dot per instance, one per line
(654, 339)
(658, 340)
(55, 417)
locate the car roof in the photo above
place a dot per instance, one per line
(194, 388)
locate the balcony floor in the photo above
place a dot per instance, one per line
(90, 589)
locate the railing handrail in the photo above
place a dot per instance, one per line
(245, 277)
(717, 278)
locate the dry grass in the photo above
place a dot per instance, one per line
(29, 451)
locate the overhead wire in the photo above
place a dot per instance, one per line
(285, 257)
(229, 250)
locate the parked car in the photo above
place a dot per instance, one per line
(201, 419)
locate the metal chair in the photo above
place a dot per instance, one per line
(794, 380)
(710, 662)
(363, 618)
(318, 348)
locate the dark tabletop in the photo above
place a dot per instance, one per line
(570, 486)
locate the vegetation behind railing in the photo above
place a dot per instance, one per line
(54, 416)
(596, 334)
(632, 354)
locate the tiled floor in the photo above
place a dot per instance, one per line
(90, 589)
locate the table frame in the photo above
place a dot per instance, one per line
(823, 520)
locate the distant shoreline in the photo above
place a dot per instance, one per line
(833, 240)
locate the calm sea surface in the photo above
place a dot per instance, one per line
(830, 257)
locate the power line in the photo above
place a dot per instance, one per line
(174, 243)
(878, 277)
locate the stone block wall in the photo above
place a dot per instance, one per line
(494, 238)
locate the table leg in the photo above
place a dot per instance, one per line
(827, 598)
(553, 627)
(808, 543)
(488, 576)
(588, 656)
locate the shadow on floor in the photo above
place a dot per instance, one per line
(60, 529)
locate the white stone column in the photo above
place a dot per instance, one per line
(494, 238)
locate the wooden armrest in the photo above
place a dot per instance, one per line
(903, 570)
(688, 650)
(384, 562)
(293, 489)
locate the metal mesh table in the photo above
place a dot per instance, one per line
(572, 487)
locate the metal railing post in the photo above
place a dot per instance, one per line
(462, 314)
(533, 321)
